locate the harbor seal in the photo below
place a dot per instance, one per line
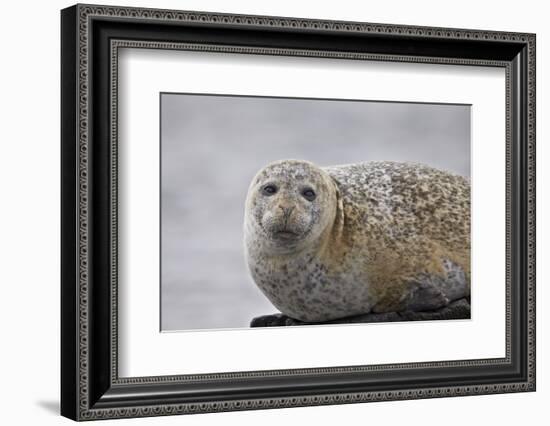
(332, 242)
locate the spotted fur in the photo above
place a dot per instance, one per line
(380, 237)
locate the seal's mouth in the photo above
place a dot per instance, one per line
(282, 234)
(285, 235)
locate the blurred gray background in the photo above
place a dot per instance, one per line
(211, 147)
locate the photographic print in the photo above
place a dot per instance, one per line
(299, 193)
(281, 211)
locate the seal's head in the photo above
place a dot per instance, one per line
(289, 205)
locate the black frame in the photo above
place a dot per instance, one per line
(90, 386)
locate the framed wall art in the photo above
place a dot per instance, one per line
(263, 212)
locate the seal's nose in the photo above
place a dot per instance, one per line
(286, 212)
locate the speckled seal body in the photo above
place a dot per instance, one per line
(327, 243)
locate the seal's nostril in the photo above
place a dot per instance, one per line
(286, 213)
(286, 210)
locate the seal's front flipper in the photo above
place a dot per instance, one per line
(424, 296)
(430, 292)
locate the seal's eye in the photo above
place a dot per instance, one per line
(269, 189)
(308, 194)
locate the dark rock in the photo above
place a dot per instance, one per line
(459, 309)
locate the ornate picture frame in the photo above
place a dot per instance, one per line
(91, 387)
